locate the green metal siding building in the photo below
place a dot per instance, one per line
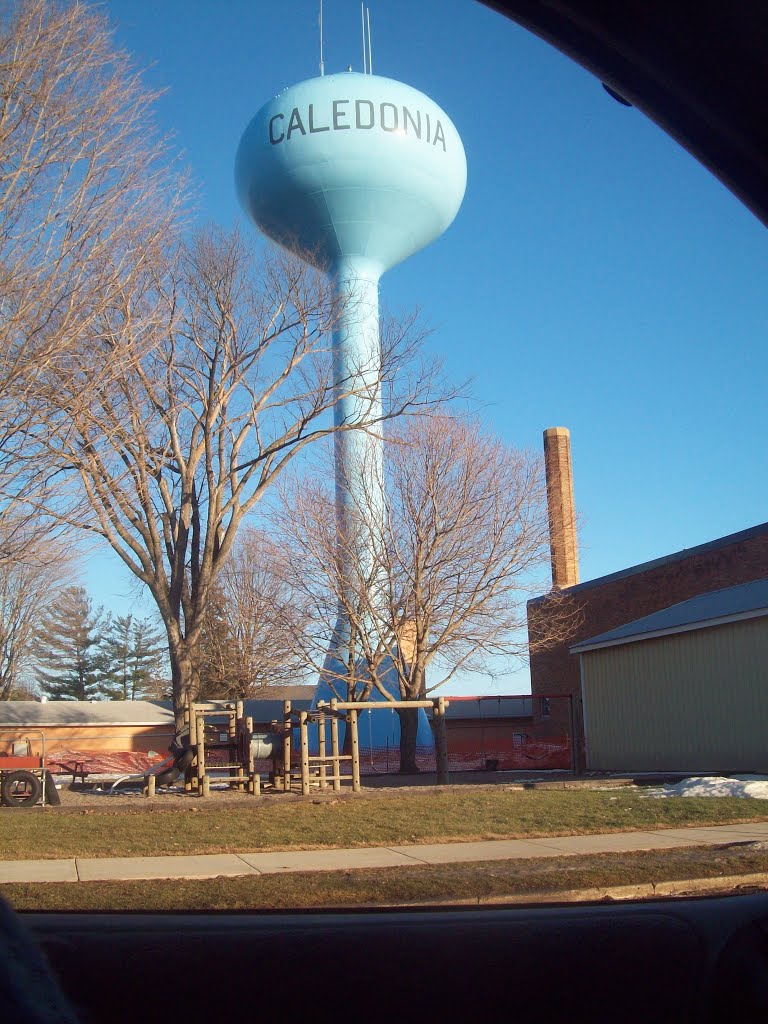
(684, 689)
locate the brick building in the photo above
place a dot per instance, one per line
(611, 601)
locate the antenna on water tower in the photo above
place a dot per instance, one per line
(370, 55)
(365, 49)
(365, 20)
(322, 64)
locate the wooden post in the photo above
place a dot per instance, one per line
(193, 739)
(232, 738)
(441, 742)
(205, 788)
(189, 773)
(355, 752)
(304, 753)
(248, 739)
(254, 785)
(335, 747)
(321, 748)
(366, 705)
(200, 735)
(150, 785)
(287, 747)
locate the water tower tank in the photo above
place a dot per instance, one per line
(354, 173)
(352, 167)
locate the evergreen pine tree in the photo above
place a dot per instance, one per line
(135, 657)
(70, 664)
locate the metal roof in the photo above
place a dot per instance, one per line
(266, 711)
(733, 604)
(268, 693)
(263, 711)
(32, 713)
(655, 563)
(466, 708)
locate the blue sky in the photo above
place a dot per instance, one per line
(596, 276)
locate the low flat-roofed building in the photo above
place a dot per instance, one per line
(120, 725)
(508, 733)
(682, 689)
(96, 725)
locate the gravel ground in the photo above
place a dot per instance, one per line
(374, 787)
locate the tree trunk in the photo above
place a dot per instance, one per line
(409, 728)
(185, 680)
(346, 746)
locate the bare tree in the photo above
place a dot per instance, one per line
(28, 584)
(328, 583)
(174, 437)
(464, 543)
(251, 622)
(87, 203)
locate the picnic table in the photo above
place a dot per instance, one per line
(74, 768)
(94, 768)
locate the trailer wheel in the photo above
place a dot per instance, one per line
(20, 789)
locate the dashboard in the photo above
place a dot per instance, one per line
(690, 960)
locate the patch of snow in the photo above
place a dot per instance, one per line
(752, 786)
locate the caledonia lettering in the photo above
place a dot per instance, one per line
(361, 115)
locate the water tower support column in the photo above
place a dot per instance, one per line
(360, 500)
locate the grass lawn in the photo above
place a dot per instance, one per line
(542, 879)
(376, 819)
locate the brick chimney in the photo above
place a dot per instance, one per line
(560, 506)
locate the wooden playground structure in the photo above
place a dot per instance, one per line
(318, 770)
(225, 730)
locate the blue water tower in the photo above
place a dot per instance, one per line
(354, 173)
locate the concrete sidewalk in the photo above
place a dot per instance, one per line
(92, 869)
